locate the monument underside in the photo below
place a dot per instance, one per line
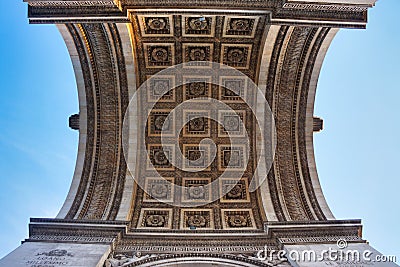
(155, 206)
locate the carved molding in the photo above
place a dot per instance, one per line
(107, 3)
(317, 14)
(99, 47)
(292, 64)
(327, 7)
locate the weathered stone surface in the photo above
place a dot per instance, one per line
(33, 254)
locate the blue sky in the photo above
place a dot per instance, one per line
(37, 149)
(357, 153)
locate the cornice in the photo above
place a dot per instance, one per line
(326, 13)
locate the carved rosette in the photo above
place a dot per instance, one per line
(196, 221)
(155, 221)
(201, 219)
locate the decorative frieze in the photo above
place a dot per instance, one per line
(108, 3)
(326, 7)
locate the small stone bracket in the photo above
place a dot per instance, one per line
(318, 124)
(73, 122)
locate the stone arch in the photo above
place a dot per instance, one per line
(199, 260)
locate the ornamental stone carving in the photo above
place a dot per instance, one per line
(240, 24)
(160, 87)
(197, 124)
(159, 54)
(231, 123)
(235, 192)
(197, 54)
(56, 253)
(198, 24)
(196, 221)
(159, 190)
(235, 55)
(231, 158)
(156, 24)
(196, 189)
(155, 221)
(197, 89)
(237, 221)
(196, 192)
(119, 260)
(160, 158)
(161, 122)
